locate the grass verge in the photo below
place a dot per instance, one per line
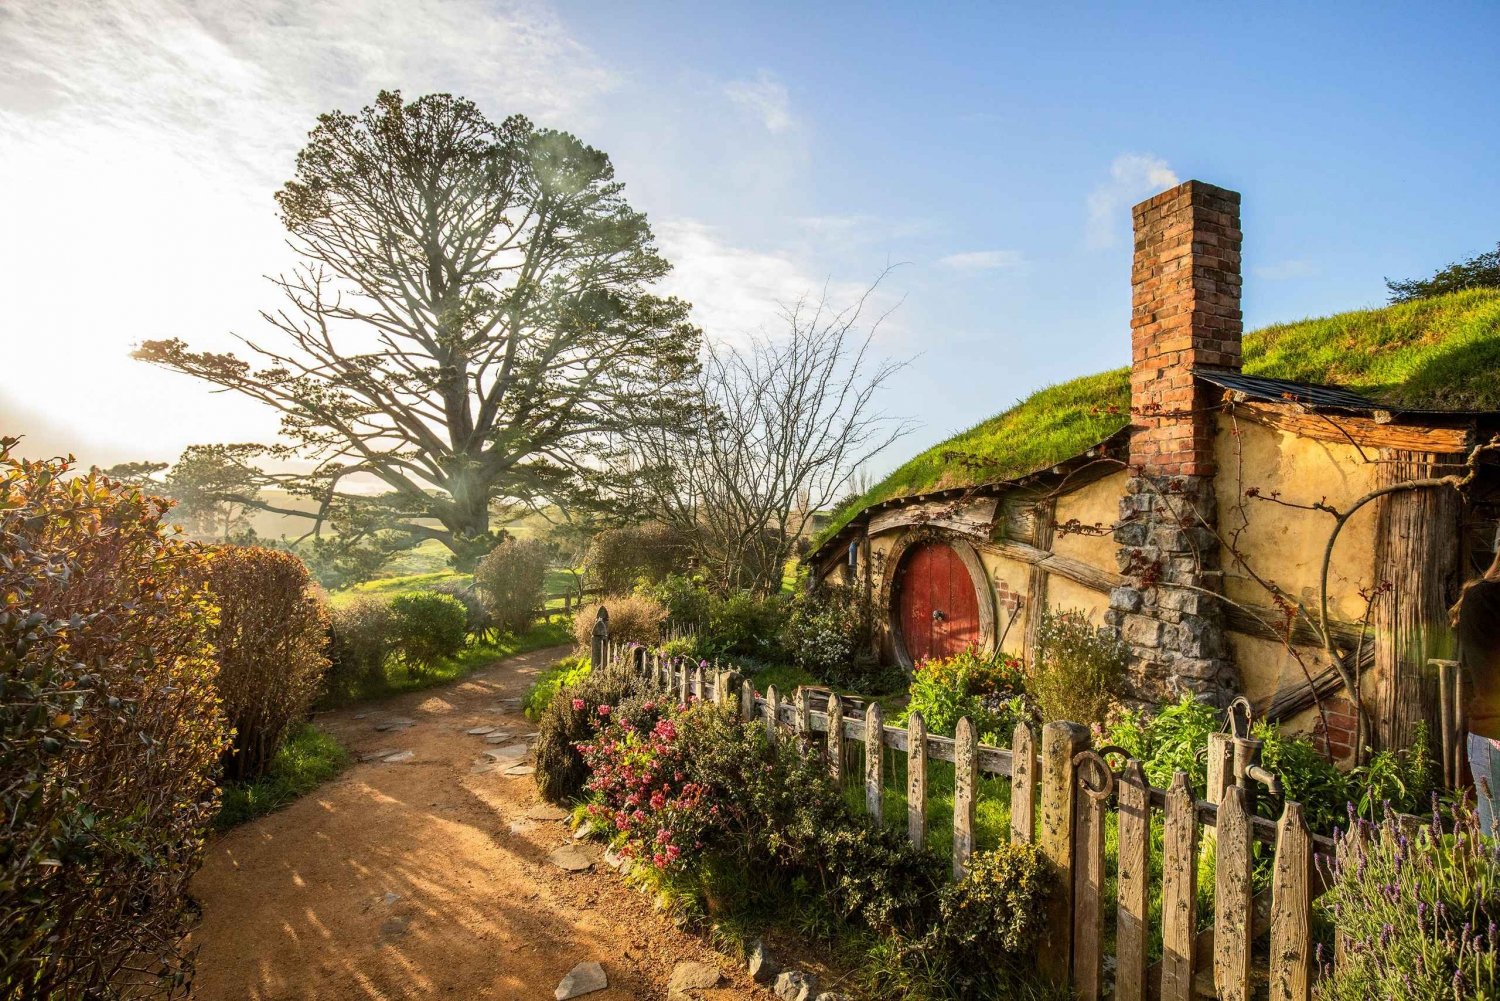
(307, 760)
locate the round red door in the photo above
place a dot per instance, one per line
(936, 606)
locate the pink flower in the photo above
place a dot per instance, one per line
(604, 710)
(578, 705)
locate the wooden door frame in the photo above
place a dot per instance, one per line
(984, 593)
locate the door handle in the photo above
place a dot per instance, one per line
(937, 615)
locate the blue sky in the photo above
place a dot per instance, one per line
(993, 152)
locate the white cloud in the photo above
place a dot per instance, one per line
(141, 141)
(982, 260)
(1132, 177)
(765, 97)
(1288, 270)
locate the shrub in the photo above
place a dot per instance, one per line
(362, 636)
(986, 689)
(270, 637)
(745, 625)
(632, 619)
(566, 673)
(685, 599)
(1419, 910)
(620, 558)
(827, 634)
(1078, 670)
(510, 582)
(478, 622)
(994, 914)
(429, 627)
(571, 718)
(110, 735)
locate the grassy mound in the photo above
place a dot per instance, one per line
(1439, 354)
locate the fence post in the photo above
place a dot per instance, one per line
(1220, 766)
(598, 648)
(1133, 913)
(804, 719)
(698, 681)
(1291, 908)
(916, 780)
(747, 700)
(835, 745)
(965, 777)
(773, 707)
(684, 682)
(1022, 785)
(1088, 880)
(1232, 897)
(1179, 892)
(1061, 742)
(874, 753)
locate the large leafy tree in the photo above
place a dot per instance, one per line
(473, 322)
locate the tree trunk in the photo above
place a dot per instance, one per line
(1417, 554)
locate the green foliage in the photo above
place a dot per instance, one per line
(510, 580)
(570, 718)
(988, 689)
(362, 635)
(110, 735)
(478, 622)
(270, 638)
(309, 758)
(1432, 353)
(828, 634)
(745, 625)
(1171, 740)
(1078, 669)
(1418, 909)
(566, 673)
(1479, 271)
(429, 627)
(685, 598)
(621, 559)
(632, 619)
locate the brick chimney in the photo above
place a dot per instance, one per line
(1185, 314)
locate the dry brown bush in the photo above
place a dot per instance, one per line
(631, 620)
(510, 580)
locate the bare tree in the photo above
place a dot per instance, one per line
(473, 324)
(782, 424)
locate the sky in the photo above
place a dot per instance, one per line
(991, 153)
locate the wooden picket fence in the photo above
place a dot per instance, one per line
(1062, 789)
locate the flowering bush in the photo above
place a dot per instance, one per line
(827, 634)
(570, 718)
(1419, 910)
(987, 689)
(1079, 667)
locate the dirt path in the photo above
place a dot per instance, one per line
(426, 878)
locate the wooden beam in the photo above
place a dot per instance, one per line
(1365, 432)
(1267, 623)
(1083, 573)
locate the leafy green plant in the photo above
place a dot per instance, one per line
(827, 633)
(362, 634)
(479, 623)
(306, 759)
(429, 627)
(685, 599)
(745, 625)
(566, 673)
(988, 689)
(510, 581)
(571, 718)
(1078, 669)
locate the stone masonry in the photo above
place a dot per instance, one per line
(1185, 287)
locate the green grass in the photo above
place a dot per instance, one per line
(307, 760)
(396, 679)
(1439, 353)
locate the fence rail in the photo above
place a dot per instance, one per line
(1063, 791)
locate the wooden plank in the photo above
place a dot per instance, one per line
(1364, 432)
(1252, 619)
(965, 778)
(1022, 785)
(835, 747)
(1088, 893)
(874, 755)
(698, 689)
(1291, 909)
(804, 719)
(1220, 766)
(916, 780)
(1233, 892)
(773, 711)
(971, 517)
(747, 701)
(1043, 530)
(684, 684)
(1179, 891)
(1133, 915)
(1060, 743)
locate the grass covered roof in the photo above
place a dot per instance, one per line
(1434, 354)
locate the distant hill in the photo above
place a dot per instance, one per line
(1439, 354)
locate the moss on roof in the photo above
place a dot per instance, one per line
(1434, 354)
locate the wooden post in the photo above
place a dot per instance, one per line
(747, 700)
(1220, 766)
(684, 682)
(1060, 743)
(1179, 892)
(1233, 893)
(874, 755)
(1022, 785)
(835, 735)
(1088, 887)
(1291, 909)
(773, 705)
(698, 681)
(965, 778)
(1132, 931)
(916, 780)
(804, 719)
(599, 646)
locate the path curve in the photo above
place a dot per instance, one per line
(426, 877)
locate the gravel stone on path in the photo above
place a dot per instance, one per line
(399, 757)
(544, 811)
(794, 985)
(585, 978)
(511, 751)
(691, 976)
(571, 858)
(400, 723)
(763, 966)
(519, 771)
(479, 731)
(498, 738)
(384, 752)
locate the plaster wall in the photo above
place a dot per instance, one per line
(1096, 507)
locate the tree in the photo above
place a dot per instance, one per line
(1481, 271)
(471, 324)
(782, 424)
(215, 490)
